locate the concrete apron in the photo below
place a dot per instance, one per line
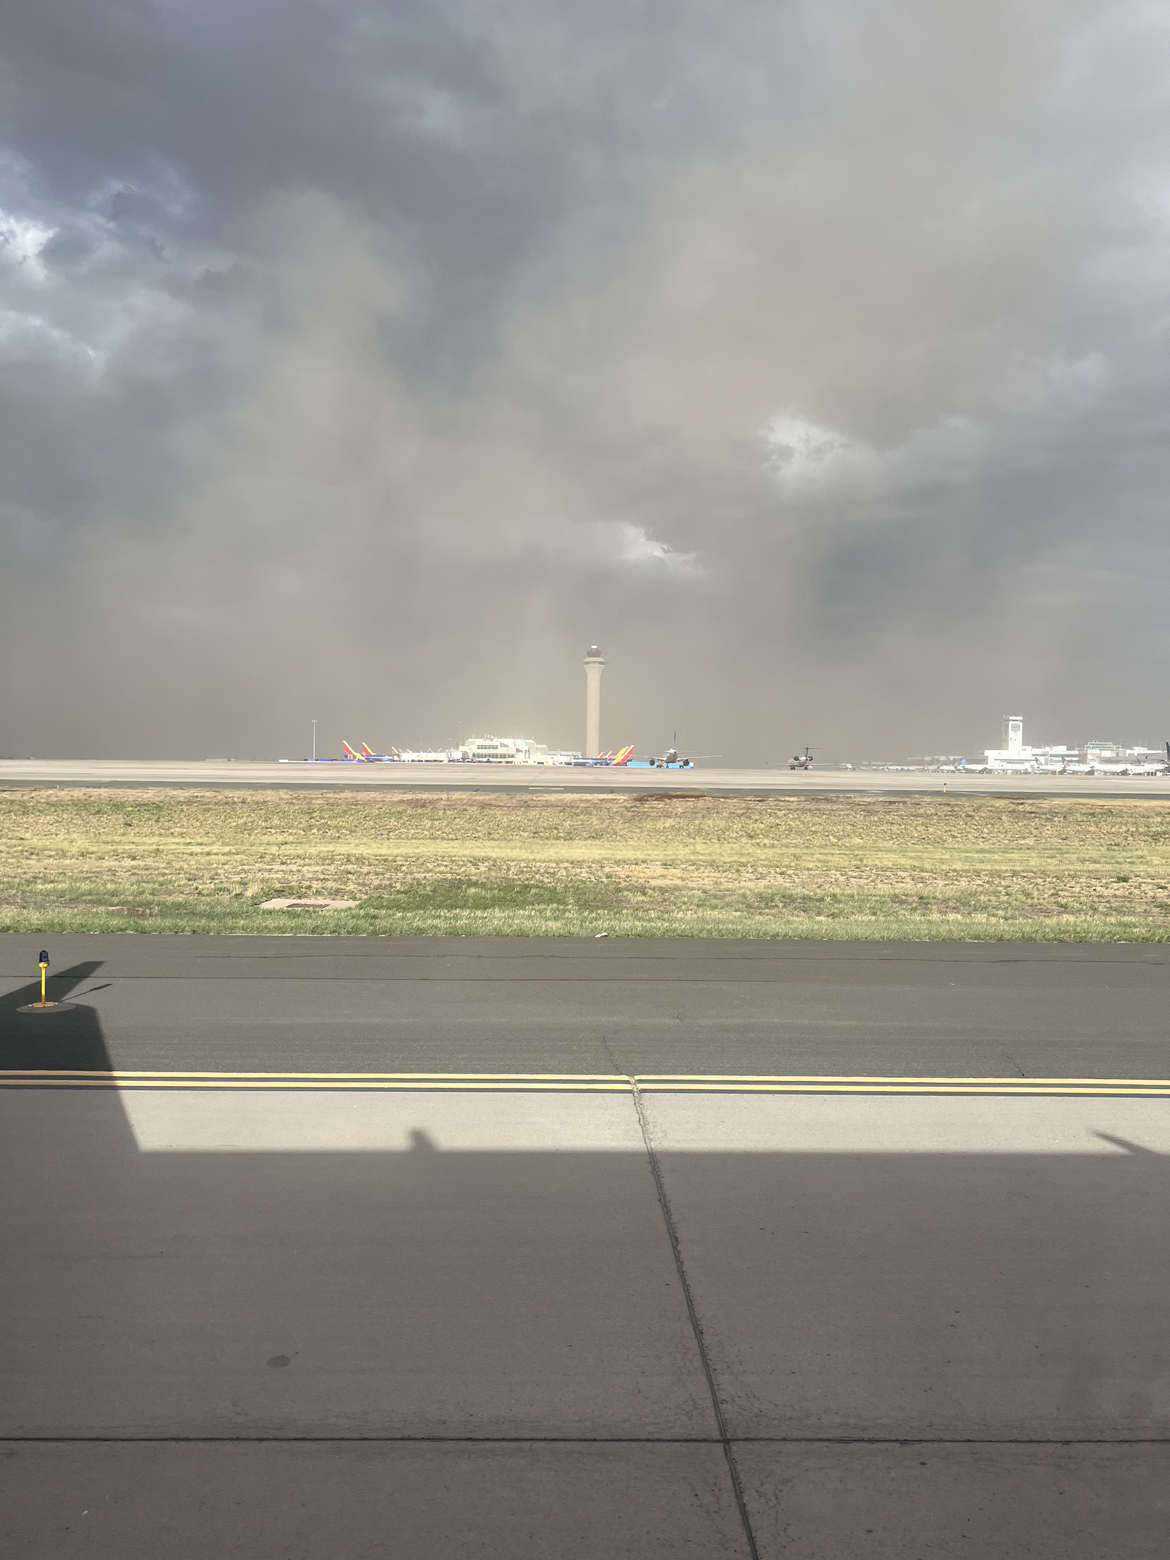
(456, 1323)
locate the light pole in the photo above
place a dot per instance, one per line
(314, 741)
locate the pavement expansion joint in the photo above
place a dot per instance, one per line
(725, 1440)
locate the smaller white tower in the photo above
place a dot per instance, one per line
(593, 667)
(1014, 731)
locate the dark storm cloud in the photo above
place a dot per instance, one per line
(367, 362)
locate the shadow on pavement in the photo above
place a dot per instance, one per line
(201, 1290)
(69, 1039)
(423, 1290)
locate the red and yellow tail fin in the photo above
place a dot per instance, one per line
(625, 755)
(349, 752)
(366, 753)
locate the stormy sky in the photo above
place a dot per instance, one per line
(368, 361)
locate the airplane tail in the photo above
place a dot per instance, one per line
(366, 752)
(349, 752)
(628, 752)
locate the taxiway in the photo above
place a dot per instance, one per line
(913, 1306)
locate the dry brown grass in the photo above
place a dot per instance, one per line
(922, 868)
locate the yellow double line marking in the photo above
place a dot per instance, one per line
(575, 1083)
(584, 1083)
(1157, 1088)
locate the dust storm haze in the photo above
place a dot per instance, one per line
(368, 362)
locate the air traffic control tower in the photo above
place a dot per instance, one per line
(593, 666)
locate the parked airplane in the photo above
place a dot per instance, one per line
(672, 760)
(607, 760)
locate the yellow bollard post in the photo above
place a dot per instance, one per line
(46, 1004)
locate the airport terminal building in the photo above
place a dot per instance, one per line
(1093, 757)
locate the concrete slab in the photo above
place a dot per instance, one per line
(308, 1121)
(943, 1125)
(358, 1502)
(958, 1502)
(891, 1286)
(378, 1284)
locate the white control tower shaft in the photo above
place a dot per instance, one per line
(593, 667)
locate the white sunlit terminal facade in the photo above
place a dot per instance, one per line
(509, 750)
(1013, 755)
(1096, 757)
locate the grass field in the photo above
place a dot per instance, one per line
(919, 868)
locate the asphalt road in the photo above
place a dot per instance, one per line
(250, 774)
(292, 1320)
(591, 1006)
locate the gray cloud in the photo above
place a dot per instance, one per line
(367, 362)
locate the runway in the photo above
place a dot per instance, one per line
(258, 1302)
(503, 778)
